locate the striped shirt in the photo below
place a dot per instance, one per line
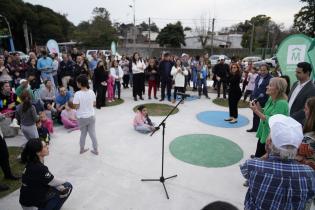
(277, 184)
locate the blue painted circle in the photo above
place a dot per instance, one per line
(216, 118)
(190, 98)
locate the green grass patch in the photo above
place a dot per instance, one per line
(16, 168)
(114, 103)
(156, 109)
(225, 103)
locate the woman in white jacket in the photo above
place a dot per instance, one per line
(138, 67)
(117, 73)
(179, 72)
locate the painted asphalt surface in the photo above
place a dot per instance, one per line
(112, 179)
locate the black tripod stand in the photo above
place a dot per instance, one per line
(162, 178)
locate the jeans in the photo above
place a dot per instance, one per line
(117, 88)
(143, 128)
(55, 203)
(202, 86)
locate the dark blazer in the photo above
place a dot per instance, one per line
(297, 108)
(259, 92)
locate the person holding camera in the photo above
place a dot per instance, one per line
(277, 104)
(178, 72)
(39, 187)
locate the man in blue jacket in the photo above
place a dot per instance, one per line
(165, 68)
(259, 93)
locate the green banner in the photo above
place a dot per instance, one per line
(311, 56)
(293, 50)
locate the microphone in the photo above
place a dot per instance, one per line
(183, 94)
(259, 96)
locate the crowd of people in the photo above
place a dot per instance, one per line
(47, 89)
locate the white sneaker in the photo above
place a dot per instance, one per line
(14, 123)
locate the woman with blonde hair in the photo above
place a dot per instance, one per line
(277, 104)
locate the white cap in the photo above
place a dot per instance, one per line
(184, 54)
(285, 130)
(23, 80)
(221, 57)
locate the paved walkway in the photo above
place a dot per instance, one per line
(112, 179)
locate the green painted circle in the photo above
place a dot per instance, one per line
(156, 109)
(206, 150)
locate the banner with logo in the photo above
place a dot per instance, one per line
(293, 50)
(311, 56)
(52, 46)
(113, 48)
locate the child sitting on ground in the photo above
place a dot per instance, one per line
(46, 122)
(43, 132)
(68, 116)
(142, 122)
(50, 111)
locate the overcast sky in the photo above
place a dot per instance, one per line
(189, 12)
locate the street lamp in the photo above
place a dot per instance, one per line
(134, 21)
(11, 38)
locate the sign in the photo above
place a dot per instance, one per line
(293, 50)
(311, 56)
(52, 46)
(113, 48)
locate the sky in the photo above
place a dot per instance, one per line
(190, 12)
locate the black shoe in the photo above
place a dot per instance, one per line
(12, 177)
(3, 187)
(149, 98)
(162, 99)
(169, 99)
(141, 98)
(98, 107)
(135, 99)
(251, 130)
(156, 97)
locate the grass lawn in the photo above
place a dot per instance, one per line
(114, 103)
(156, 109)
(16, 168)
(224, 102)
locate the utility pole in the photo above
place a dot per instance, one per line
(27, 43)
(252, 39)
(212, 34)
(268, 37)
(149, 32)
(134, 24)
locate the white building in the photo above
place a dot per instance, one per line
(225, 41)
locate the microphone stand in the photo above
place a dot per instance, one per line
(162, 179)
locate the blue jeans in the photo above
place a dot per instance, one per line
(55, 203)
(202, 86)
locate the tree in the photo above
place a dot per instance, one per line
(145, 27)
(172, 35)
(203, 31)
(42, 22)
(304, 20)
(97, 33)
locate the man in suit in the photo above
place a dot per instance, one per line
(301, 91)
(259, 93)
(165, 68)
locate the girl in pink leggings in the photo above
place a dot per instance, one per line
(110, 88)
(68, 116)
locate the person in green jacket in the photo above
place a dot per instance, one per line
(276, 104)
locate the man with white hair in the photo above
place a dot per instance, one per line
(279, 181)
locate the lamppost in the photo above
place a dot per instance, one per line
(134, 21)
(11, 38)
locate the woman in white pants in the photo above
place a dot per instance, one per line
(85, 100)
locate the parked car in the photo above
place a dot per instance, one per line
(271, 62)
(252, 59)
(90, 52)
(215, 58)
(22, 55)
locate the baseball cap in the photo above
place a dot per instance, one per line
(285, 130)
(23, 80)
(221, 57)
(184, 54)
